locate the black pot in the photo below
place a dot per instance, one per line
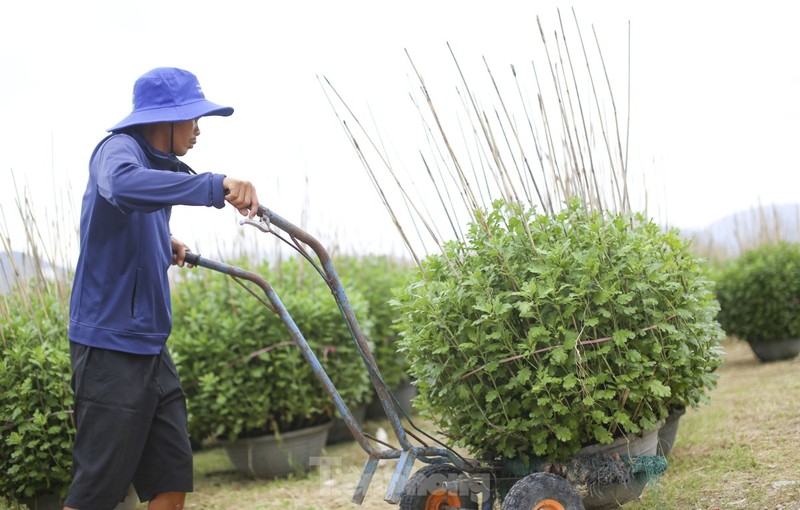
(339, 432)
(275, 456)
(776, 350)
(44, 502)
(404, 393)
(669, 431)
(55, 502)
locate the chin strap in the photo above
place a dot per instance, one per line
(157, 158)
(171, 138)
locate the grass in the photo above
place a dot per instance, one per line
(741, 451)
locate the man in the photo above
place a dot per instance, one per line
(130, 409)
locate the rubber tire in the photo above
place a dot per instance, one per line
(425, 481)
(528, 492)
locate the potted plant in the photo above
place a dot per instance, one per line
(245, 380)
(759, 296)
(37, 428)
(538, 335)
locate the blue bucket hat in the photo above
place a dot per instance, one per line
(168, 94)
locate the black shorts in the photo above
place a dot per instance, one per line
(130, 412)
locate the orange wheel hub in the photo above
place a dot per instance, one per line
(440, 499)
(548, 504)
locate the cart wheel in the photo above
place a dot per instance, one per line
(542, 491)
(425, 490)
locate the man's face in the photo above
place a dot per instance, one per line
(184, 136)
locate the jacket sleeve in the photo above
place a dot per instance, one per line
(129, 185)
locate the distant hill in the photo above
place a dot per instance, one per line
(730, 235)
(18, 266)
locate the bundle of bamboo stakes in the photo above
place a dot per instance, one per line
(567, 142)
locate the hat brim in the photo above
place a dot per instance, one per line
(202, 108)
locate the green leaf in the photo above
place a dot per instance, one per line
(621, 336)
(658, 389)
(562, 433)
(569, 382)
(558, 355)
(602, 435)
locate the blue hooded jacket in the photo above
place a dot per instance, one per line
(120, 295)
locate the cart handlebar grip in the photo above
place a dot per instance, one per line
(192, 258)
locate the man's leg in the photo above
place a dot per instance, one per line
(167, 501)
(164, 474)
(164, 501)
(115, 398)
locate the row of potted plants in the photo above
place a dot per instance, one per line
(245, 379)
(241, 377)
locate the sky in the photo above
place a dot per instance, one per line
(714, 112)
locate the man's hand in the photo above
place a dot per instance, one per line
(179, 252)
(241, 195)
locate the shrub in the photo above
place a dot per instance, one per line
(242, 374)
(536, 335)
(37, 430)
(759, 293)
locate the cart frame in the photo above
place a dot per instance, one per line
(408, 452)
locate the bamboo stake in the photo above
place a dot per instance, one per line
(585, 129)
(546, 202)
(496, 161)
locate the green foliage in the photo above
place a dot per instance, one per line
(759, 293)
(537, 335)
(375, 277)
(36, 427)
(241, 372)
